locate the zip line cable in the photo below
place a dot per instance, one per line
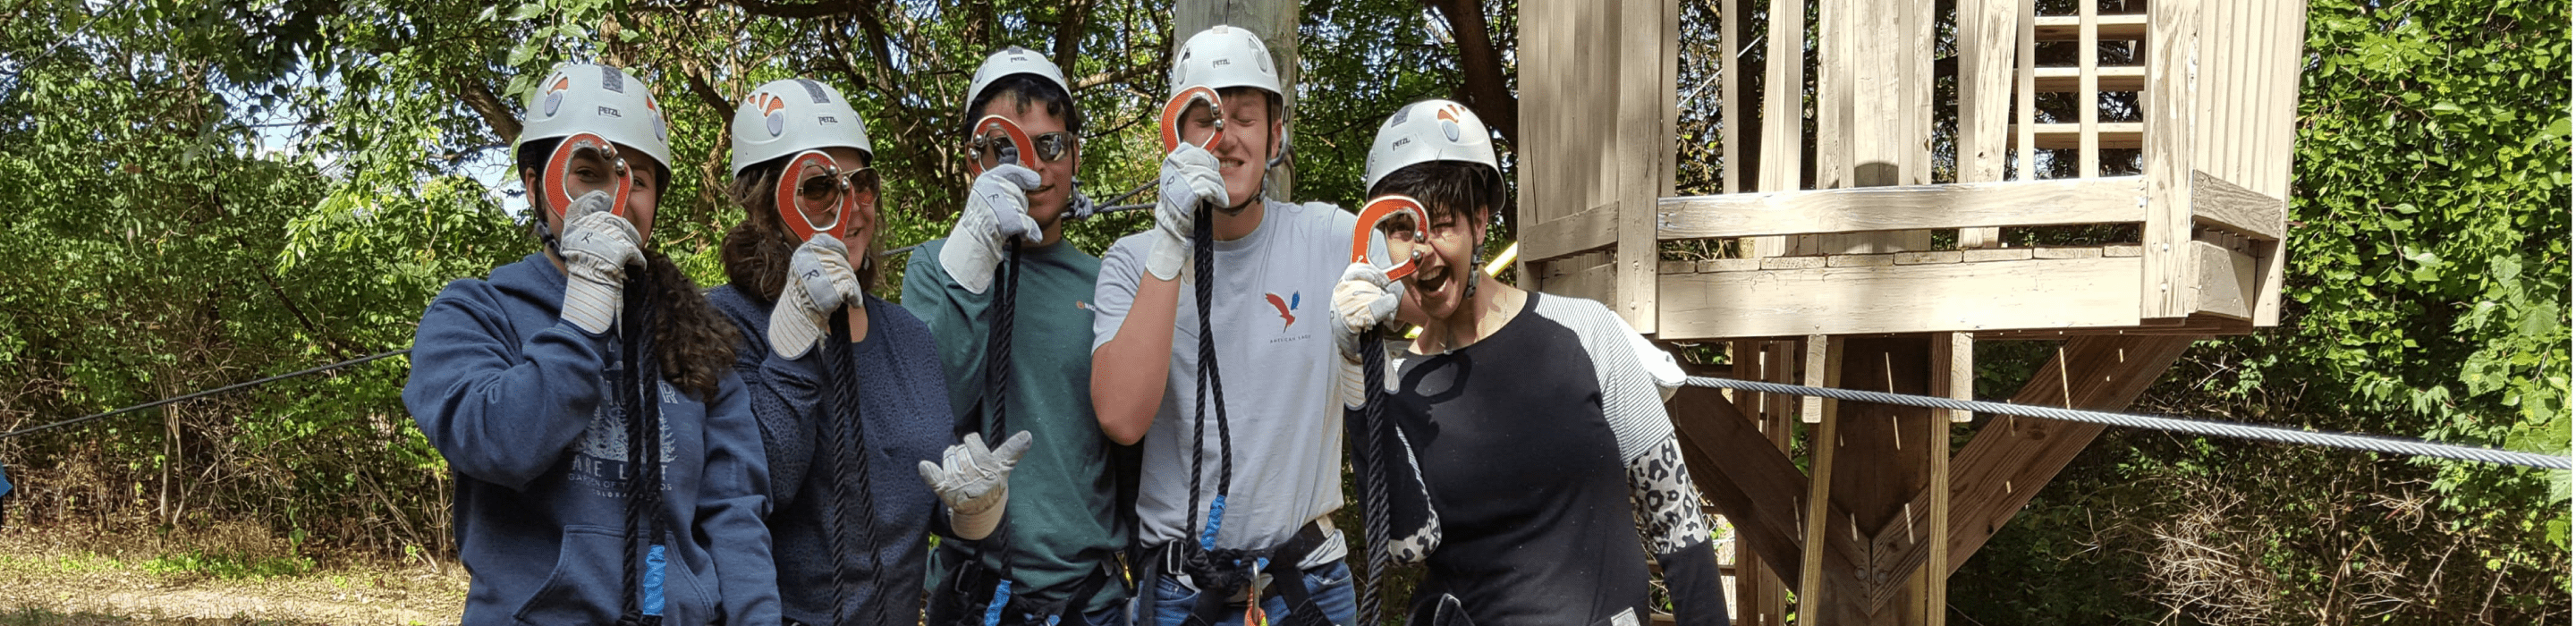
(201, 394)
(2370, 443)
(2208, 428)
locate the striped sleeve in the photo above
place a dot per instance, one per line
(1631, 394)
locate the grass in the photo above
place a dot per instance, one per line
(33, 616)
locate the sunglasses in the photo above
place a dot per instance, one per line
(821, 191)
(991, 150)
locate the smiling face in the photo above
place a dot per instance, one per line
(859, 218)
(1438, 286)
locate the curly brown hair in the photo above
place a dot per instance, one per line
(755, 252)
(694, 342)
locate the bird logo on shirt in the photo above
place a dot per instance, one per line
(1286, 308)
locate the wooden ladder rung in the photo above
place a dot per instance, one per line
(2131, 27)
(2107, 78)
(2063, 136)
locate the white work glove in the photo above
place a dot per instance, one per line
(1667, 372)
(1364, 299)
(997, 211)
(1189, 178)
(975, 482)
(819, 283)
(597, 245)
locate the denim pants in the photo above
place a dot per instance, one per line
(1329, 585)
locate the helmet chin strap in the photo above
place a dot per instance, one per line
(1475, 272)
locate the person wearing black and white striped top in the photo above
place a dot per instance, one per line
(1536, 422)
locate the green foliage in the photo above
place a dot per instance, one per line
(229, 566)
(2427, 296)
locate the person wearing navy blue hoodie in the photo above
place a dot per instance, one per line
(845, 419)
(515, 381)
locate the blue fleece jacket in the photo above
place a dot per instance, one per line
(903, 405)
(518, 402)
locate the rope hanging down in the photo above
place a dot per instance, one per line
(2392, 445)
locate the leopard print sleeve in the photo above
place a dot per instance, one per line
(1668, 505)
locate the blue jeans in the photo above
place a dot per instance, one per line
(1330, 587)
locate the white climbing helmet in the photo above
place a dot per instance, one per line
(785, 117)
(1222, 57)
(1426, 131)
(1008, 61)
(597, 99)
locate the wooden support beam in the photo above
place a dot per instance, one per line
(1756, 486)
(1824, 361)
(1964, 205)
(2011, 459)
(2071, 136)
(2088, 97)
(2131, 27)
(1883, 460)
(2220, 203)
(1641, 151)
(2025, 124)
(2170, 124)
(1762, 598)
(1985, 44)
(2028, 294)
(2227, 282)
(2070, 79)
(1783, 101)
(1594, 228)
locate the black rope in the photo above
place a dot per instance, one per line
(997, 371)
(1210, 385)
(1373, 467)
(636, 377)
(846, 430)
(210, 392)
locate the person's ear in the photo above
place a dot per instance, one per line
(1278, 140)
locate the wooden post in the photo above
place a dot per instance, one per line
(1872, 462)
(1761, 598)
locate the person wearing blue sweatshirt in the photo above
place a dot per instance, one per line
(847, 416)
(518, 380)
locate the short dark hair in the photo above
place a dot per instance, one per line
(1025, 89)
(1446, 187)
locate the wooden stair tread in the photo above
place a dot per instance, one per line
(2061, 136)
(2115, 27)
(2107, 78)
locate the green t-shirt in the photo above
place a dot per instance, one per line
(1063, 517)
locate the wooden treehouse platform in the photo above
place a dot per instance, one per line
(1818, 263)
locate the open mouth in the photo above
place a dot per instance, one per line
(1431, 281)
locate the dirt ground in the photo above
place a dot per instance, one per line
(56, 578)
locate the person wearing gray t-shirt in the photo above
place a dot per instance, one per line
(1243, 472)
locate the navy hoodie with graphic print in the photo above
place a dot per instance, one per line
(518, 401)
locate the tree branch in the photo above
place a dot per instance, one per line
(1481, 67)
(495, 113)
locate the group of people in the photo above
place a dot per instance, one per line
(1036, 435)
